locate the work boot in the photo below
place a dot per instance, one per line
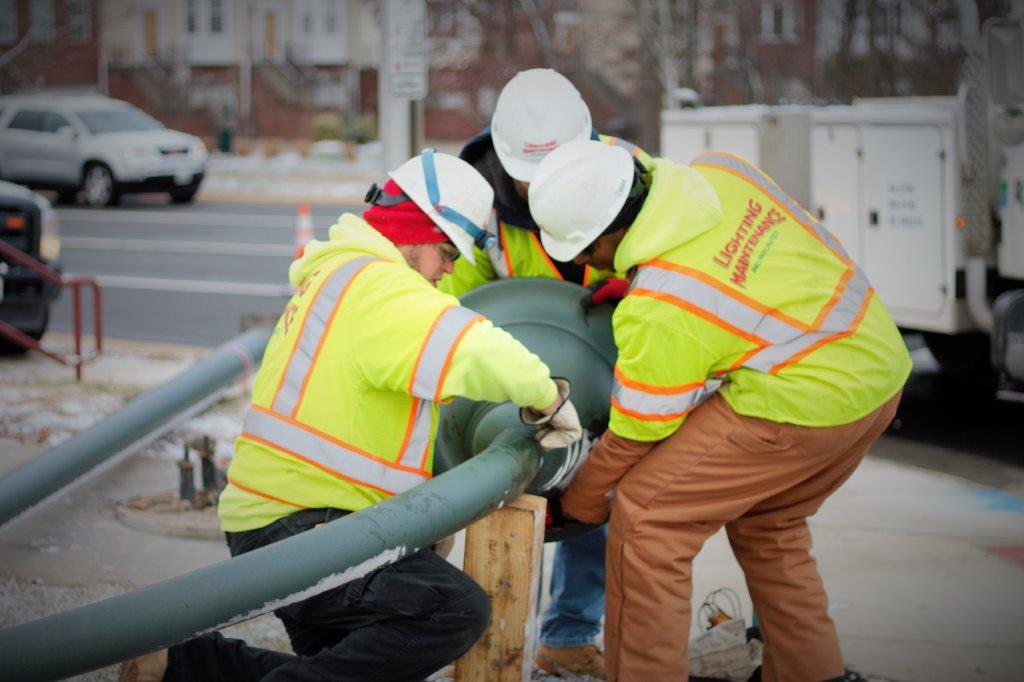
(146, 668)
(570, 660)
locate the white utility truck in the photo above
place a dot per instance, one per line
(933, 214)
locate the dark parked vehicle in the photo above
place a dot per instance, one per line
(29, 223)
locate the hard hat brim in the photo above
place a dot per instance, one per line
(563, 250)
(459, 237)
(516, 168)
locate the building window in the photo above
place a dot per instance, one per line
(780, 22)
(8, 21)
(307, 22)
(191, 13)
(216, 16)
(40, 20)
(893, 18)
(79, 18)
(330, 16)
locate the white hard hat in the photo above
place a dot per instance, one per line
(453, 194)
(577, 192)
(537, 111)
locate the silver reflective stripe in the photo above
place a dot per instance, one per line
(313, 328)
(334, 457)
(784, 340)
(775, 192)
(660, 404)
(430, 367)
(840, 319)
(415, 450)
(715, 303)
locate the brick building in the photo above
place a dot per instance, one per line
(267, 67)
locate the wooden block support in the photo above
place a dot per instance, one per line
(503, 553)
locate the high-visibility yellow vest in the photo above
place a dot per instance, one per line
(344, 408)
(517, 252)
(755, 300)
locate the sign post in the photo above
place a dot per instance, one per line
(402, 76)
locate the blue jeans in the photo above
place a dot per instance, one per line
(573, 617)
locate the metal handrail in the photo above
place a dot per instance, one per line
(76, 283)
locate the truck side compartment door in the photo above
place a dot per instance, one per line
(836, 179)
(904, 216)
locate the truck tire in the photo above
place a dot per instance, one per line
(962, 356)
(99, 186)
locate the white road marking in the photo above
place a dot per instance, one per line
(193, 286)
(210, 219)
(166, 246)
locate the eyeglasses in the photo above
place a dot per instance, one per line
(449, 251)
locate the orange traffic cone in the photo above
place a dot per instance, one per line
(303, 230)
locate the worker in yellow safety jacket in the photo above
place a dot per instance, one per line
(344, 415)
(756, 366)
(536, 111)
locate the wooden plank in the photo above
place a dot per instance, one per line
(503, 553)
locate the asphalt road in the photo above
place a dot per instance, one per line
(184, 274)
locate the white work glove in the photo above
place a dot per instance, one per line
(559, 429)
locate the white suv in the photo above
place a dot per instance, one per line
(100, 146)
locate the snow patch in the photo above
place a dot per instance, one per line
(386, 557)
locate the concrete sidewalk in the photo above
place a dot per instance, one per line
(925, 571)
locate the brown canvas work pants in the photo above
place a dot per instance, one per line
(759, 479)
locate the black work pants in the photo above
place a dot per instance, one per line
(401, 622)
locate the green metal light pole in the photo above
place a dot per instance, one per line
(144, 418)
(245, 586)
(487, 458)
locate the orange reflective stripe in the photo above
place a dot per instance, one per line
(451, 352)
(540, 249)
(743, 359)
(754, 176)
(315, 324)
(331, 439)
(647, 417)
(414, 424)
(699, 312)
(504, 249)
(828, 339)
(732, 293)
(268, 496)
(295, 344)
(314, 463)
(651, 388)
(423, 350)
(837, 295)
(436, 352)
(659, 403)
(323, 337)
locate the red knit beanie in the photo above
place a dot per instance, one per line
(403, 223)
